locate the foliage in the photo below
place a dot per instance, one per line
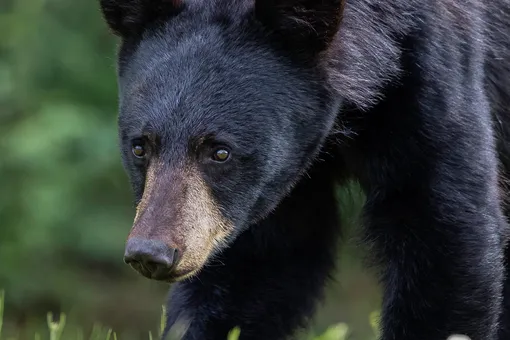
(65, 204)
(56, 328)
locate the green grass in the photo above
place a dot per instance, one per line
(55, 329)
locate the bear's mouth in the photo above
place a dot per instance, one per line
(150, 271)
(153, 272)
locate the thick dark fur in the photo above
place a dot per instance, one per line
(410, 98)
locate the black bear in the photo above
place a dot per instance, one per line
(238, 118)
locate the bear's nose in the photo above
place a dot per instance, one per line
(151, 258)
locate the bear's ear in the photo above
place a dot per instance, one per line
(130, 17)
(306, 25)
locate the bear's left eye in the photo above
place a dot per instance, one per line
(138, 150)
(221, 155)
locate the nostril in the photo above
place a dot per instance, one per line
(151, 266)
(175, 256)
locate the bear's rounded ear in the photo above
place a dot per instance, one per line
(307, 26)
(130, 17)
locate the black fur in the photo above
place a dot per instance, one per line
(410, 98)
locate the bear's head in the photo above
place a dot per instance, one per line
(223, 106)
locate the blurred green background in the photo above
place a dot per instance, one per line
(65, 203)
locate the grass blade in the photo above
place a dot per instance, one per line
(375, 319)
(234, 334)
(336, 332)
(162, 321)
(2, 297)
(56, 328)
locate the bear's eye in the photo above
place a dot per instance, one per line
(221, 155)
(138, 150)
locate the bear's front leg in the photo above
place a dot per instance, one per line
(268, 282)
(433, 218)
(439, 248)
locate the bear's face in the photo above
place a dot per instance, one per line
(216, 125)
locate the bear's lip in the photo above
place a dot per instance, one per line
(168, 277)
